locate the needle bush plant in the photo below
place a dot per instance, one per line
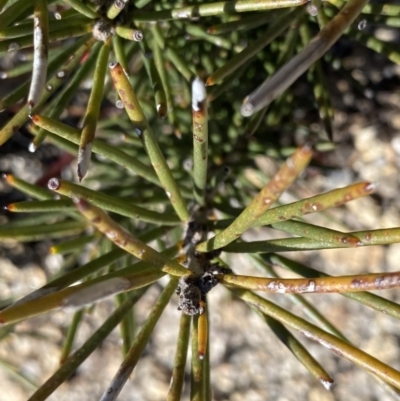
(180, 96)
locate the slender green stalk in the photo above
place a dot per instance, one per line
(185, 70)
(354, 283)
(54, 65)
(127, 241)
(376, 8)
(13, 12)
(371, 300)
(178, 372)
(24, 29)
(2, 4)
(262, 201)
(76, 296)
(243, 24)
(197, 365)
(111, 203)
(316, 203)
(17, 375)
(390, 50)
(139, 344)
(110, 152)
(36, 233)
(51, 86)
(161, 69)
(71, 245)
(135, 113)
(155, 80)
(335, 344)
(77, 358)
(32, 190)
(61, 101)
(201, 33)
(321, 17)
(297, 349)
(321, 234)
(281, 80)
(71, 334)
(218, 8)
(129, 33)
(66, 14)
(40, 52)
(207, 366)
(59, 282)
(24, 42)
(305, 306)
(202, 332)
(200, 140)
(126, 326)
(226, 84)
(119, 52)
(318, 81)
(92, 111)
(251, 50)
(115, 8)
(82, 8)
(46, 206)
(367, 238)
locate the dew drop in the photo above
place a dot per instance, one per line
(137, 36)
(311, 286)
(13, 47)
(314, 207)
(111, 234)
(60, 74)
(247, 109)
(49, 87)
(168, 194)
(57, 16)
(183, 14)
(362, 24)
(119, 104)
(188, 165)
(32, 147)
(312, 10)
(53, 183)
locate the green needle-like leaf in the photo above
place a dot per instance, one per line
(114, 154)
(77, 358)
(218, 8)
(371, 300)
(36, 233)
(54, 83)
(111, 203)
(127, 241)
(197, 365)
(297, 349)
(139, 344)
(282, 79)
(71, 334)
(92, 111)
(178, 373)
(263, 200)
(142, 127)
(335, 344)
